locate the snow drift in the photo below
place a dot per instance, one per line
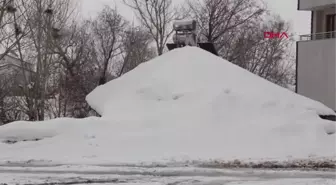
(184, 105)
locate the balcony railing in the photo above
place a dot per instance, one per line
(318, 36)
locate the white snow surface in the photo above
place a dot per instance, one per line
(160, 176)
(184, 105)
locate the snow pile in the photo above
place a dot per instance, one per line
(190, 78)
(30, 131)
(186, 105)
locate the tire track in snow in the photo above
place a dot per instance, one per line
(174, 172)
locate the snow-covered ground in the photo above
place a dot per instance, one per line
(186, 107)
(159, 176)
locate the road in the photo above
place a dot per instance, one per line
(125, 175)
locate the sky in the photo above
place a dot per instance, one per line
(287, 9)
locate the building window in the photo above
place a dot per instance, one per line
(330, 26)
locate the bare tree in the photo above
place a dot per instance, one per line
(76, 73)
(14, 34)
(11, 108)
(61, 51)
(136, 48)
(86, 54)
(10, 29)
(217, 19)
(236, 28)
(107, 31)
(273, 59)
(40, 19)
(156, 16)
(5, 90)
(269, 58)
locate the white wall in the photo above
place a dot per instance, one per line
(312, 4)
(316, 70)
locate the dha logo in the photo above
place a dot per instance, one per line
(274, 35)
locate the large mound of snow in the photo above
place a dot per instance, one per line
(189, 79)
(184, 105)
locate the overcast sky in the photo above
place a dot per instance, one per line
(300, 20)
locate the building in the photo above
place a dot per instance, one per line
(13, 71)
(316, 54)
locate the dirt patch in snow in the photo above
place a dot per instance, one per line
(321, 165)
(13, 141)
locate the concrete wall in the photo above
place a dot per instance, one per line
(314, 4)
(316, 70)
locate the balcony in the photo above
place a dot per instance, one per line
(318, 36)
(315, 4)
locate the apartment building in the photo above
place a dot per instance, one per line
(316, 53)
(11, 68)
